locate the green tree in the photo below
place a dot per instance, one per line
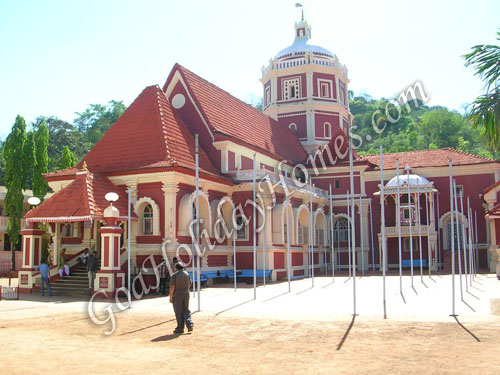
(68, 159)
(14, 181)
(485, 112)
(40, 186)
(29, 159)
(97, 119)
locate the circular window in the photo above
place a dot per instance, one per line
(178, 101)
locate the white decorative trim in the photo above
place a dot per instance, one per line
(156, 213)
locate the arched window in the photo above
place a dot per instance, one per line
(457, 232)
(147, 220)
(328, 130)
(293, 127)
(341, 230)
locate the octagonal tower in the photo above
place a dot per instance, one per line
(305, 88)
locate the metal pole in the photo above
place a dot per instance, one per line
(361, 235)
(439, 248)
(198, 258)
(254, 230)
(411, 222)
(469, 221)
(476, 255)
(455, 212)
(419, 232)
(349, 233)
(464, 250)
(331, 235)
(399, 230)
(371, 227)
(429, 253)
(234, 254)
(452, 243)
(353, 227)
(289, 260)
(264, 242)
(129, 234)
(193, 254)
(384, 260)
(311, 225)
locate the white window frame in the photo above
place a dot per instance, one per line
(242, 233)
(341, 232)
(328, 134)
(303, 235)
(149, 219)
(406, 244)
(320, 236)
(294, 126)
(329, 84)
(289, 82)
(267, 95)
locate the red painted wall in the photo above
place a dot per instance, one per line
(279, 260)
(153, 191)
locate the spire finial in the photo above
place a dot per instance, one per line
(299, 5)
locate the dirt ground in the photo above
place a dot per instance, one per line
(59, 338)
(70, 344)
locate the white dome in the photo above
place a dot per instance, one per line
(301, 46)
(404, 179)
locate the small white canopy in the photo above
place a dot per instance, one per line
(405, 180)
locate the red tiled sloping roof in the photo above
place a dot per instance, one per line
(427, 158)
(68, 172)
(236, 119)
(81, 200)
(495, 210)
(491, 187)
(148, 135)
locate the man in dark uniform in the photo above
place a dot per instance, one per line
(179, 297)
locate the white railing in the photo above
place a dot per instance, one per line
(405, 229)
(247, 175)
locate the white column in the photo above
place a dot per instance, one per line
(170, 190)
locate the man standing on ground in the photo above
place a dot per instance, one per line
(163, 273)
(92, 269)
(45, 272)
(179, 297)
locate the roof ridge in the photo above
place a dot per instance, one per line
(159, 96)
(466, 153)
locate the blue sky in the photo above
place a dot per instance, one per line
(56, 57)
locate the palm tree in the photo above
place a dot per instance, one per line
(485, 111)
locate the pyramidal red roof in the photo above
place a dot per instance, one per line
(81, 200)
(427, 158)
(242, 122)
(148, 135)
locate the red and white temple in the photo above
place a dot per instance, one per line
(151, 150)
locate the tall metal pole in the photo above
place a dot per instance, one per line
(361, 235)
(452, 207)
(384, 248)
(429, 253)
(289, 260)
(371, 230)
(331, 234)
(469, 222)
(464, 248)
(353, 236)
(312, 230)
(264, 241)
(349, 243)
(254, 229)
(198, 258)
(399, 230)
(234, 254)
(419, 232)
(129, 235)
(455, 212)
(193, 253)
(476, 255)
(439, 248)
(411, 222)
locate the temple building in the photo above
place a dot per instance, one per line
(299, 145)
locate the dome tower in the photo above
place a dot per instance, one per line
(305, 88)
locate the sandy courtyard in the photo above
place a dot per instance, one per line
(307, 331)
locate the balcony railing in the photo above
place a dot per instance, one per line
(405, 230)
(247, 175)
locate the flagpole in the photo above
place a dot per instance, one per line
(399, 231)
(452, 242)
(289, 260)
(198, 259)
(331, 235)
(371, 231)
(264, 241)
(419, 233)
(384, 250)
(361, 235)
(411, 222)
(254, 230)
(311, 226)
(429, 252)
(349, 244)
(469, 222)
(476, 255)
(464, 251)
(234, 254)
(455, 212)
(129, 231)
(353, 227)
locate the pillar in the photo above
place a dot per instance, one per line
(170, 190)
(32, 251)
(494, 264)
(110, 277)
